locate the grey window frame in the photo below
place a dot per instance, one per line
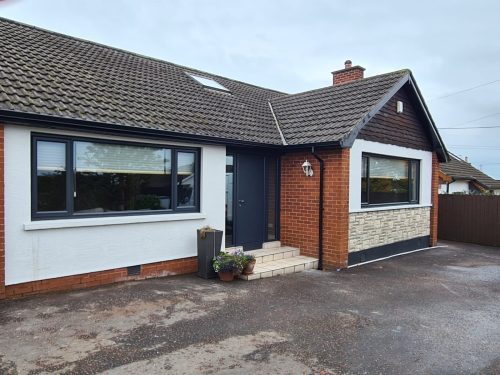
(70, 174)
(410, 161)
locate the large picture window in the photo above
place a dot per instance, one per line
(74, 178)
(386, 180)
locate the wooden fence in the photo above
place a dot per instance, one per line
(470, 218)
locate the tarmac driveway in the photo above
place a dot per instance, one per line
(432, 312)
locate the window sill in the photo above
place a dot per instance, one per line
(389, 207)
(117, 220)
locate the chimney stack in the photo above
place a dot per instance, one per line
(348, 74)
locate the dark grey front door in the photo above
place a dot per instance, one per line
(250, 201)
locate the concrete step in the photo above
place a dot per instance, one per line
(273, 253)
(271, 244)
(281, 266)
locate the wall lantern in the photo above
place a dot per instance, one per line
(307, 168)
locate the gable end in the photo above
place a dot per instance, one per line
(405, 129)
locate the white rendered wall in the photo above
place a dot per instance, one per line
(73, 246)
(361, 146)
(461, 186)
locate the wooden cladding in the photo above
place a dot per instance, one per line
(470, 218)
(401, 129)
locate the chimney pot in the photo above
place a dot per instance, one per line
(348, 64)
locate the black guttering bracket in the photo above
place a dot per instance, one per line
(321, 208)
(43, 121)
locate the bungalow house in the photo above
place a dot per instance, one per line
(459, 176)
(112, 160)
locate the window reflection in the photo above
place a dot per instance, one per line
(121, 178)
(51, 176)
(271, 186)
(388, 180)
(229, 198)
(185, 179)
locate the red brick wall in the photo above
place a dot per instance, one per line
(88, 280)
(336, 215)
(347, 75)
(300, 203)
(2, 216)
(434, 199)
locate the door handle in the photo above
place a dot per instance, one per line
(241, 202)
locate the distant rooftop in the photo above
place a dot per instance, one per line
(460, 169)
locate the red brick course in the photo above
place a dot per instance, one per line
(2, 216)
(434, 200)
(93, 279)
(300, 203)
(347, 75)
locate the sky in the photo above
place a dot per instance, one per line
(294, 45)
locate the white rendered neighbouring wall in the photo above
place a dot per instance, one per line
(38, 250)
(460, 186)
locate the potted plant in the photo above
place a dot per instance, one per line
(225, 265)
(229, 263)
(249, 264)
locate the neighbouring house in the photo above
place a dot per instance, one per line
(459, 176)
(112, 160)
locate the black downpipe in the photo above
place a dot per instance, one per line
(320, 236)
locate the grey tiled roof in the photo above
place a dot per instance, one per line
(47, 73)
(461, 170)
(50, 74)
(330, 114)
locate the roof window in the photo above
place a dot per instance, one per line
(207, 82)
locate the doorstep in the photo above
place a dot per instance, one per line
(278, 260)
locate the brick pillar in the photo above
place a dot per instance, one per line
(2, 216)
(336, 214)
(434, 200)
(300, 203)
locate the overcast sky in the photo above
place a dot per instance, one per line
(293, 46)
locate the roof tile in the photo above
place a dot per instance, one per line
(460, 169)
(51, 74)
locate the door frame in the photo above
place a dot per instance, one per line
(266, 154)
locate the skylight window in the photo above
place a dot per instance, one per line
(207, 82)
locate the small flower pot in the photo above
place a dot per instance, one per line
(249, 267)
(226, 275)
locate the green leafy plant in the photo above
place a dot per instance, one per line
(224, 262)
(232, 261)
(248, 258)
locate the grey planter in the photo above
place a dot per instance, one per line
(208, 248)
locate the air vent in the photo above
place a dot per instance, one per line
(133, 270)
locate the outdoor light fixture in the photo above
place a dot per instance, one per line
(399, 106)
(306, 167)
